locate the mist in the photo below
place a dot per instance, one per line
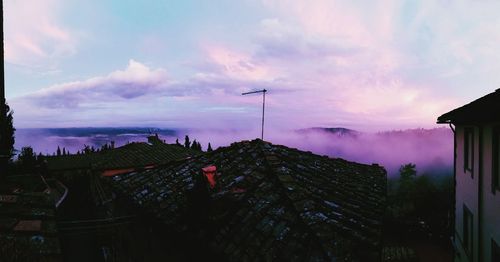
(430, 149)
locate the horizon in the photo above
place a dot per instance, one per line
(430, 150)
(391, 65)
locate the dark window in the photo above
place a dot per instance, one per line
(495, 251)
(495, 176)
(469, 149)
(468, 231)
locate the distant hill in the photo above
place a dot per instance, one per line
(46, 140)
(339, 131)
(93, 131)
(430, 149)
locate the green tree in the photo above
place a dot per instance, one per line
(406, 190)
(407, 175)
(408, 172)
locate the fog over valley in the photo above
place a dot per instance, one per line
(430, 149)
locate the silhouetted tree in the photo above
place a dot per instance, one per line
(194, 145)
(187, 143)
(7, 138)
(209, 148)
(408, 172)
(58, 152)
(27, 159)
(407, 175)
(86, 149)
(64, 151)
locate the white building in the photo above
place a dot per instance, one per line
(477, 178)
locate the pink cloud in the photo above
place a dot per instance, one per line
(34, 33)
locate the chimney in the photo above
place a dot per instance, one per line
(210, 174)
(154, 140)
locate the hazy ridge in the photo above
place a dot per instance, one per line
(430, 149)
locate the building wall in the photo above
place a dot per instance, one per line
(468, 193)
(491, 200)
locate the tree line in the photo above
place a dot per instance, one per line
(193, 145)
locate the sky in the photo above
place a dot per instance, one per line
(365, 65)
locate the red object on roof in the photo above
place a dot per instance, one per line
(209, 169)
(209, 172)
(113, 172)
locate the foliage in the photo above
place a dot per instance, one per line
(187, 143)
(196, 146)
(407, 174)
(421, 203)
(7, 137)
(209, 148)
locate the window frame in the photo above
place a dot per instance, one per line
(495, 161)
(468, 231)
(469, 151)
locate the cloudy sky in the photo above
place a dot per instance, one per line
(367, 65)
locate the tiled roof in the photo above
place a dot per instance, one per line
(269, 202)
(69, 162)
(398, 254)
(137, 154)
(28, 229)
(140, 155)
(484, 109)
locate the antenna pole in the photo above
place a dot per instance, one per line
(263, 91)
(263, 108)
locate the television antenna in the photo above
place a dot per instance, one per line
(263, 91)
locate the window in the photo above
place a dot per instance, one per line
(495, 176)
(468, 231)
(495, 251)
(469, 150)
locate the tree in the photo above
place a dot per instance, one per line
(27, 159)
(194, 145)
(7, 137)
(27, 154)
(209, 148)
(187, 143)
(64, 151)
(58, 151)
(86, 149)
(408, 172)
(177, 142)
